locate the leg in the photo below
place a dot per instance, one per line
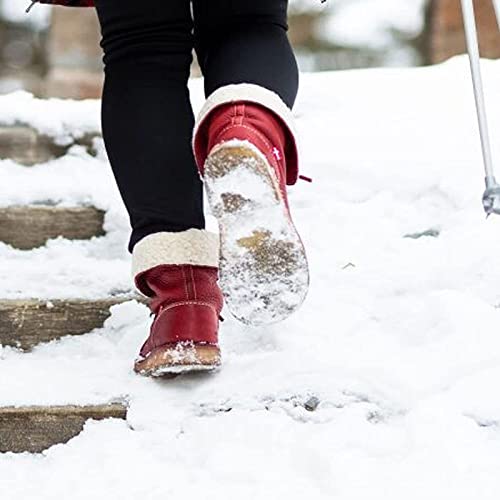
(245, 148)
(147, 127)
(147, 118)
(245, 42)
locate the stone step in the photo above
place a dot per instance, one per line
(25, 145)
(36, 428)
(27, 323)
(28, 227)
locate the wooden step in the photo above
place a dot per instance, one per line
(27, 323)
(27, 146)
(28, 227)
(36, 428)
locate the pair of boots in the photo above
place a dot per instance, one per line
(245, 149)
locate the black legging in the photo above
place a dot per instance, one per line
(147, 119)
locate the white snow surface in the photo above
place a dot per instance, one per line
(372, 23)
(399, 338)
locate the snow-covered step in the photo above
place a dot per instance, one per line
(27, 227)
(25, 145)
(36, 428)
(26, 323)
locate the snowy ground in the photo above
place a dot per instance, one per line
(399, 338)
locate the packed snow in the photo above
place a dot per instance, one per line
(398, 340)
(277, 273)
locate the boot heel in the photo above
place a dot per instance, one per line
(181, 357)
(239, 180)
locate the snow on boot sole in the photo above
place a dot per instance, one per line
(263, 268)
(179, 358)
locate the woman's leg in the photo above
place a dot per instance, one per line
(147, 128)
(246, 150)
(147, 118)
(241, 41)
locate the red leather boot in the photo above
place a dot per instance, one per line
(246, 153)
(178, 271)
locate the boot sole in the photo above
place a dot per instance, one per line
(263, 265)
(179, 358)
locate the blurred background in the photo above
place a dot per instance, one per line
(54, 51)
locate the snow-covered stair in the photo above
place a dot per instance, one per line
(28, 318)
(27, 146)
(25, 323)
(28, 227)
(36, 428)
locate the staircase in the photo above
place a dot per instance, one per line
(26, 320)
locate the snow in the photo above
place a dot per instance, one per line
(250, 277)
(372, 23)
(398, 339)
(384, 29)
(58, 118)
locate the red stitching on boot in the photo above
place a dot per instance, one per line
(256, 132)
(187, 319)
(233, 116)
(188, 303)
(184, 279)
(242, 115)
(193, 281)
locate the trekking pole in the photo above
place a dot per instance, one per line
(491, 197)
